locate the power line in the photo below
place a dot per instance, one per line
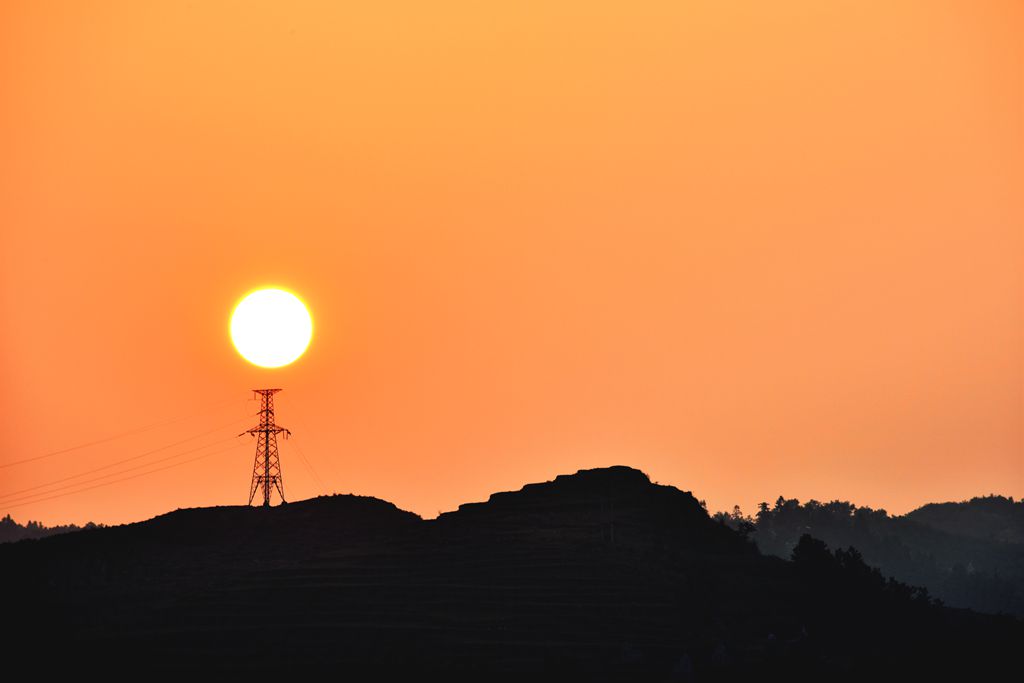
(309, 465)
(123, 460)
(116, 436)
(134, 476)
(312, 474)
(330, 464)
(104, 476)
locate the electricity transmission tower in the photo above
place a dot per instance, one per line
(266, 470)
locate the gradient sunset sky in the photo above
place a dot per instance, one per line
(751, 248)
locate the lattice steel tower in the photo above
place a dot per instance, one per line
(266, 470)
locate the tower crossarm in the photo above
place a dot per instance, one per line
(263, 429)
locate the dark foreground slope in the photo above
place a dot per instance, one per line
(600, 575)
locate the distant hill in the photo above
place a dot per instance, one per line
(600, 575)
(968, 554)
(11, 531)
(990, 518)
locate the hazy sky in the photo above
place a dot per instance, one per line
(752, 248)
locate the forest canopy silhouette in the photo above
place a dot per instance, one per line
(968, 554)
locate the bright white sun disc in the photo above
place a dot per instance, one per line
(271, 327)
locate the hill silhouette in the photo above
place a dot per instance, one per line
(11, 531)
(968, 554)
(990, 518)
(599, 575)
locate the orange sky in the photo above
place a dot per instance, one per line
(752, 248)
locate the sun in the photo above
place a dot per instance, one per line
(271, 327)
